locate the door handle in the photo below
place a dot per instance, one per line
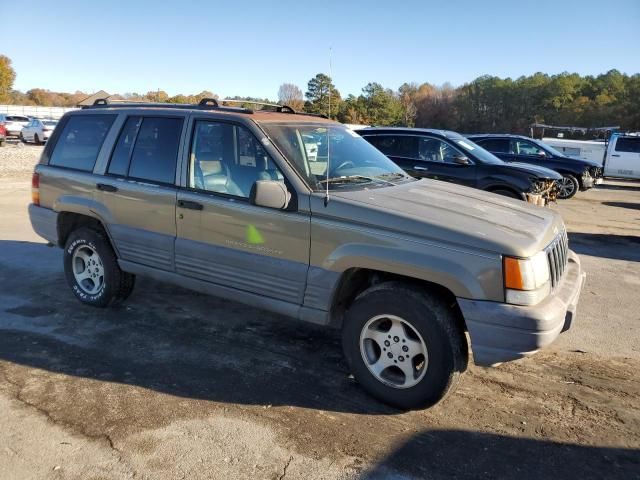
(615, 155)
(105, 187)
(190, 205)
(418, 167)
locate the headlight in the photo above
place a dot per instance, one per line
(526, 280)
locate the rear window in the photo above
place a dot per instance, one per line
(16, 118)
(628, 144)
(156, 150)
(80, 141)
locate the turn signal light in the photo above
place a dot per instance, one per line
(35, 189)
(512, 274)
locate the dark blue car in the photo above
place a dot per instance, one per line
(576, 174)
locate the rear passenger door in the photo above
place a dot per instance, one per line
(224, 239)
(500, 147)
(139, 192)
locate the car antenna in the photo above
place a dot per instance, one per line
(326, 196)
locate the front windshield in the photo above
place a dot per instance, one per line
(548, 149)
(331, 155)
(475, 150)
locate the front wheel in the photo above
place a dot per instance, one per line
(404, 345)
(568, 186)
(92, 270)
(36, 139)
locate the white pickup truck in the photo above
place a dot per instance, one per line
(620, 157)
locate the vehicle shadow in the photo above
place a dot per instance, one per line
(170, 340)
(632, 206)
(617, 247)
(444, 454)
(633, 185)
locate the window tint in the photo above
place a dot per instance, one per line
(628, 144)
(496, 145)
(435, 150)
(398, 146)
(156, 150)
(526, 148)
(80, 141)
(119, 164)
(228, 159)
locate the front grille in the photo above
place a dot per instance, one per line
(596, 172)
(558, 256)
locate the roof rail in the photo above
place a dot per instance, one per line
(204, 104)
(278, 108)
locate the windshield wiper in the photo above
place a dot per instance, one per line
(348, 179)
(393, 175)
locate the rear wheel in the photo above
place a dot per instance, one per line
(36, 139)
(22, 139)
(404, 345)
(92, 270)
(568, 186)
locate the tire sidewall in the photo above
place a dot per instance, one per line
(426, 319)
(85, 237)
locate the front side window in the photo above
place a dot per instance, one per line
(628, 144)
(341, 158)
(80, 141)
(526, 148)
(155, 152)
(228, 159)
(435, 150)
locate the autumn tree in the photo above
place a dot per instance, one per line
(7, 77)
(290, 94)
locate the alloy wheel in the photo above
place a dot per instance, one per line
(88, 269)
(393, 351)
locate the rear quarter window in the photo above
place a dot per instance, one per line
(80, 141)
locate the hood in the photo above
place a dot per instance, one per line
(450, 214)
(540, 172)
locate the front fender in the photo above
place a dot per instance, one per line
(465, 274)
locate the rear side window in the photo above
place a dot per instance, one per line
(495, 145)
(147, 149)
(628, 144)
(80, 141)
(398, 146)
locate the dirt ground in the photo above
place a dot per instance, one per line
(175, 384)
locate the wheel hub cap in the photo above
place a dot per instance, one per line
(88, 269)
(393, 351)
(566, 187)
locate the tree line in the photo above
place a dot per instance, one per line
(487, 104)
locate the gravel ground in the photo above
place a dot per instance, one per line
(18, 159)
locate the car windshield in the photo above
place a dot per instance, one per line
(332, 156)
(548, 148)
(475, 150)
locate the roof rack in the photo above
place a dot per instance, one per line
(204, 104)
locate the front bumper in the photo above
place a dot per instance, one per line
(501, 332)
(588, 182)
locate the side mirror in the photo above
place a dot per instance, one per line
(461, 160)
(542, 153)
(270, 194)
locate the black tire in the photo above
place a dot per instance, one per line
(568, 187)
(432, 319)
(115, 286)
(507, 193)
(36, 140)
(22, 139)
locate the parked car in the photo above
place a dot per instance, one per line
(38, 131)
(223, 200)
(620, 157)
(3, 135)
(576, 174)
(14, 124)
(448, 156)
